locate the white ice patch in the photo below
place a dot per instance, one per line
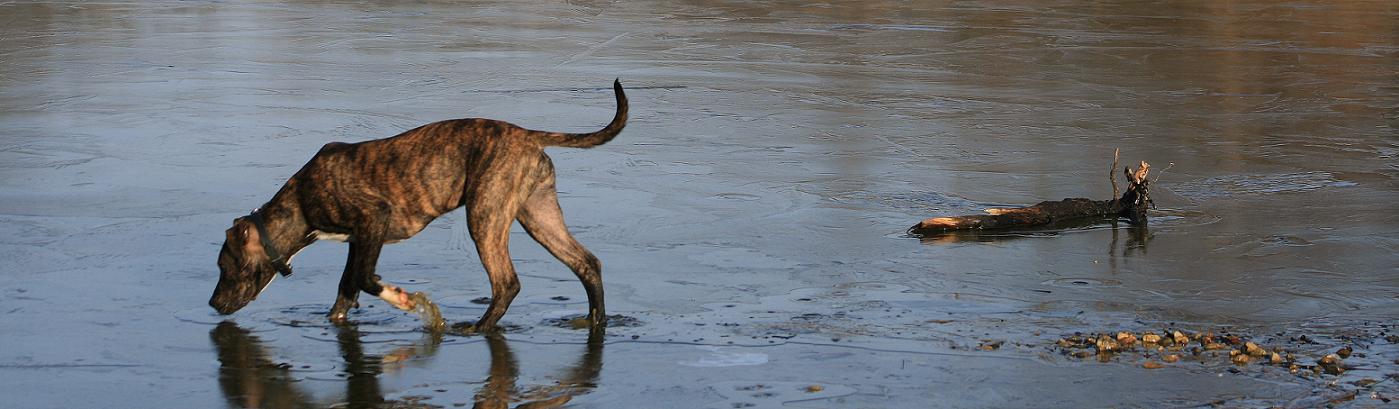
(718, 358)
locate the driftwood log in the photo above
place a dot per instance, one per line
(1132, 205)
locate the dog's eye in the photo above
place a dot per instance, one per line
(229, 263)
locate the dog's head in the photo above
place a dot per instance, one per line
(244, 268)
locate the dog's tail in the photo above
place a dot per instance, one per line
(588, 140)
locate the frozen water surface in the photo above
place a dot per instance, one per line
(750, 217)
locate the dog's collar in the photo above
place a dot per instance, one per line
(277, 263)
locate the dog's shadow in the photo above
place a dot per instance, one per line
(250, 377)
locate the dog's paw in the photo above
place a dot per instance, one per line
(397, 297)
(465, 328)
(581, 323)
(340, 312)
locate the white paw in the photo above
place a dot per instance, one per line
(396, 297)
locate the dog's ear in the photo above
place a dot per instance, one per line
(242, 241)
(231, 239)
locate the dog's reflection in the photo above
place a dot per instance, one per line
(500, 388)
(250, 378)
(362, 369)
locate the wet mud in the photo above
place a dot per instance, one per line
(750, 219)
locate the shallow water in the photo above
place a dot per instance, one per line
(750, 218)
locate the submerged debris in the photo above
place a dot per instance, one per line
(1330, 364)
(1344, 352)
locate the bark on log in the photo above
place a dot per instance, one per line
(1132, 205)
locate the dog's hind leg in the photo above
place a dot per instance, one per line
(543, 220)
(489, 224)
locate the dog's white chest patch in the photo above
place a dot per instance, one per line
(340, 237)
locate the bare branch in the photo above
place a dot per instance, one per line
(1111, 169)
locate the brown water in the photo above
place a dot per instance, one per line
(750, 217)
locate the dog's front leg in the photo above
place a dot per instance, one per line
(359, 276)
(365, 245)
(364, 256)
(347, 296)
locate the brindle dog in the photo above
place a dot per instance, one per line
(386, 190)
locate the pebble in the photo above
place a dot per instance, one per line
(1253, 350)
(1172, 346)
(1106, 345)
(1126, 338)
(1330, 364)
